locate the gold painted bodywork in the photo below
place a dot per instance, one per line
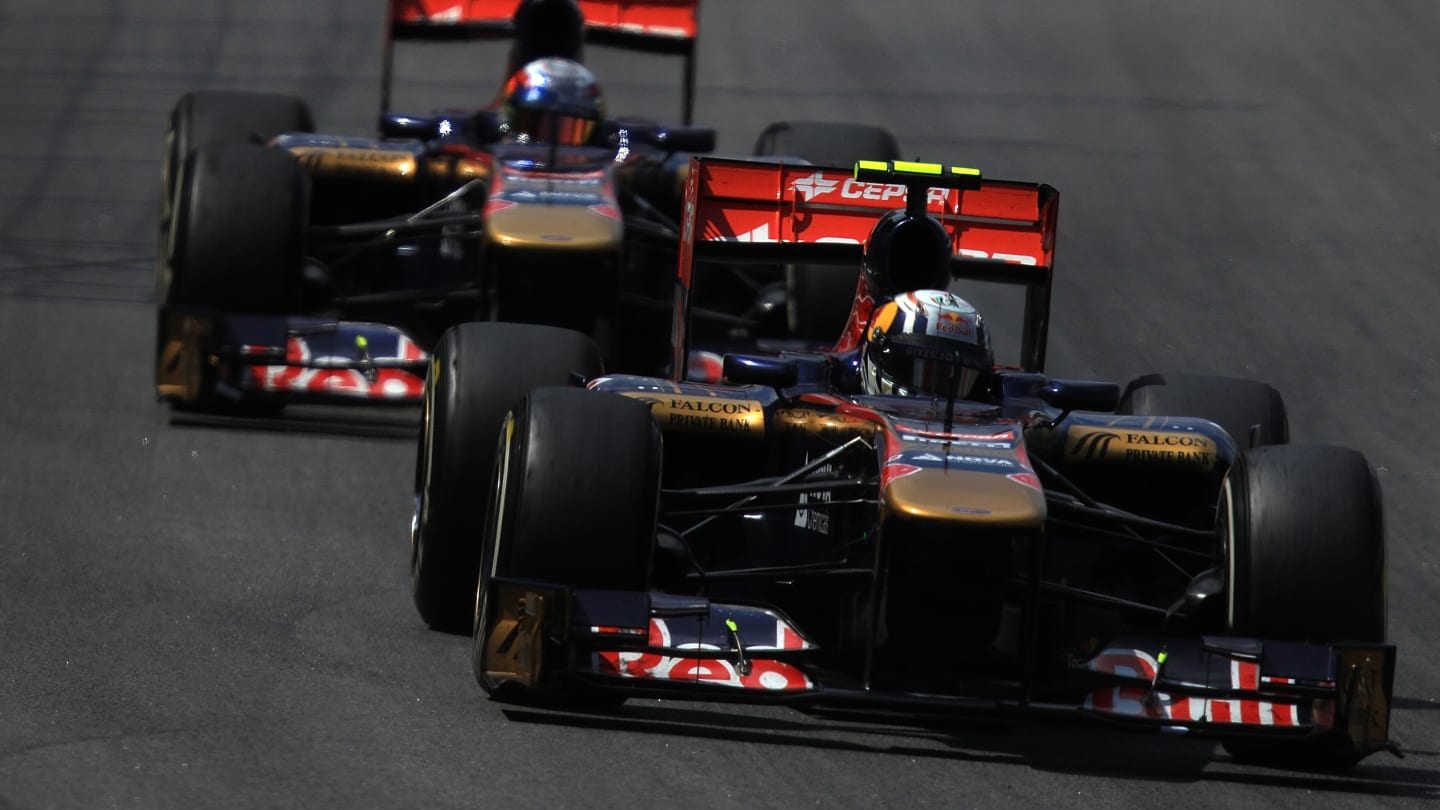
(833, 427)
(960, 494)
(1364, 705)
(744, 418)
(971, 497)
(543, 226)
(568, 228)
(180, 364)
(1163, 448)
(354, 163)
(455, 169)
(514, 644)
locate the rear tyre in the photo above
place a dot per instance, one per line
(818, 298)
(574, 503)
(1237, 405)
(1304, 537)
(478, 372)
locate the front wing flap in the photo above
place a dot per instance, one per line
(656, 644)
(291, 358)
(1228, 685)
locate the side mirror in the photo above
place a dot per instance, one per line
(484, 127)
(395, 125)
(740, 369)
(1203, 591)
(683, 139)
(1081, 395)
(481, 127)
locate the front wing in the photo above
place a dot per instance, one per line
(249, 358)
(660, 645)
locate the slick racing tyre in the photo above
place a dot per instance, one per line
(235, 245)
(1253, 413)
(819, 298)
(237, 239)
(219, 116)
(1306, 545)
(1303, 532)
(574, 501)
(478, 372)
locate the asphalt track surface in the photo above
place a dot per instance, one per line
(220, 616)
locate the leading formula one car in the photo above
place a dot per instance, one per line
(970, 538)
(299, 266)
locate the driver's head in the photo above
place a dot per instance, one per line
(925, 343)
(552, 100)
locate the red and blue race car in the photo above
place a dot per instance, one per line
(963, 537)
(298, 266)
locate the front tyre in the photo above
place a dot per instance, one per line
(574, 503)
(218, 116)
(1305, 540)
(1303, 532)
(235, 244)
(477, 373)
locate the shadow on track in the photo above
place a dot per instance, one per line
(1074, 748)
(400, 422)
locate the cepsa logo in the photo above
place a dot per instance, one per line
(818, 185)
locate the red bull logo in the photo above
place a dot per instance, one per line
(953, 323)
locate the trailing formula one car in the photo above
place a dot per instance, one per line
(541, 28)
(298, 266)
(898, 524)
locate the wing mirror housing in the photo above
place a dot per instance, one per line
(775, 372)
(1081, 395)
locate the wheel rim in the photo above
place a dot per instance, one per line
(421, 513)
(1227, 544)
(480, 636)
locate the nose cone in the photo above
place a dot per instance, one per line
(541, 226)
(959, 494)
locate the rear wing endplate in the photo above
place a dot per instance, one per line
(742, 211)
(648, 26)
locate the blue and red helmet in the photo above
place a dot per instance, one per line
(551, 100)
(925, 343)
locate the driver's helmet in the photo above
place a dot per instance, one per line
(551, 100)
(925, 343)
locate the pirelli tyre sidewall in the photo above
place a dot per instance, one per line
(574, 502)
(819, 298)
(218, 116)
(237, 244)
(1242, 407)
(478, 372)
(1303, 534)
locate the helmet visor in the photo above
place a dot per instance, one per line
(544, 126)
(924, 365)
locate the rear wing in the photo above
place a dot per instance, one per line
(751, 212)
(648, 26)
